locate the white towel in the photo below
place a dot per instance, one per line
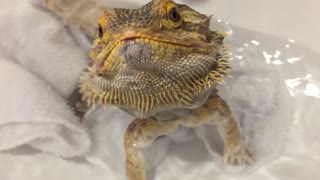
(35, 76)
(43, 44)
(32, 113)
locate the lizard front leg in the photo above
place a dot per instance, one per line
(216, 111)
(139, 134)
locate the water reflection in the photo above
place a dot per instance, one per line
(267, 57)
(255, 42)
(293, 59)
(305, 85)
(312, 90)
(291, 40)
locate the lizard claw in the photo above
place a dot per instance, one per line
(238, 156)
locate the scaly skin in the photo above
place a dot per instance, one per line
(159, 58)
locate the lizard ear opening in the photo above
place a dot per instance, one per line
(100, 31)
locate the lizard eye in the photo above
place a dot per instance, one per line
(174, 15)
(100, 31)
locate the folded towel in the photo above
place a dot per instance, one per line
(43, 44)
(31, 113)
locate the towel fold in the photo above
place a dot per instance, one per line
(31, 113)
(43, 44)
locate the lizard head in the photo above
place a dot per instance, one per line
(162, 55)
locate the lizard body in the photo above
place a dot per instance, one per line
(158, 60)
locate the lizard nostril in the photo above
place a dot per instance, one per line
(99, 66)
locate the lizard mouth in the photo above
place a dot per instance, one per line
(154, 40)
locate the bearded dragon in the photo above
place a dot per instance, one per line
(161, 63)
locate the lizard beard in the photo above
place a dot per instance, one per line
(149, 82)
